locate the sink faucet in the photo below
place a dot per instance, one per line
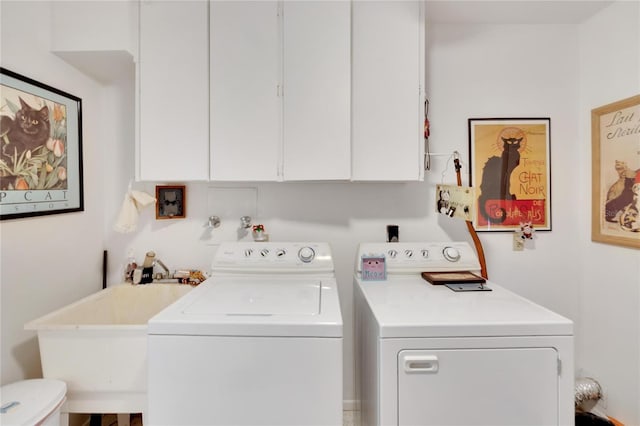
(167, 273)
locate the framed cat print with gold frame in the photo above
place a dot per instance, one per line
(615, 139)
(510, 169)
(41, 149)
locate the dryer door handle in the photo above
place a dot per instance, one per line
(420, 364)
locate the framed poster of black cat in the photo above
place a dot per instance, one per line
(41, 149)
(510, 168)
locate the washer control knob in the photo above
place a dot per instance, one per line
(248, 252)
(451, 254)
(392, 253)
(306, 254)
(424, 253)
(408, 253)
(264, 252)
(280, 252)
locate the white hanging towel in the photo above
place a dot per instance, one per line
(134, 201)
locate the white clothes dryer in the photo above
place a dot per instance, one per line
(258, 343)
(428, 355)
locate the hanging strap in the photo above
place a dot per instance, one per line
(427, 132)
(472, 231)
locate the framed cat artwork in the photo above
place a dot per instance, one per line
(615, 140)
(510, 169)
(41, 149)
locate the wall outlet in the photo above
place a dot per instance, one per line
(518, 243)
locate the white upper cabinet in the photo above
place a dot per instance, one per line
(173, 91)
(317, 56)
(386, 87)
(280, 90)
(246, 110)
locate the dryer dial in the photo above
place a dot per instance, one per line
(264, 252)
(451, 254)
(392, 253)
(248, 252)
(306, 254)
(280, 252)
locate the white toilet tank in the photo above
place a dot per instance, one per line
(32, 402)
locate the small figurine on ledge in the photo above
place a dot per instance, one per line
(523, 236)
(526, 230)
(259, 234)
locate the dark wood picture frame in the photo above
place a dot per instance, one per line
(171, 202)
(452, 277)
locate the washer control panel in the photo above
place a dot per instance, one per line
(273, 256)
(409, 258)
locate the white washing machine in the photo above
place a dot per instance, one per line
(258, 343)
(428, 355)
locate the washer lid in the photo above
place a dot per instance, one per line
(29, 402)
(257, 305)
(265, 297)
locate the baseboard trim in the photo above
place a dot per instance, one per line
(349, 404)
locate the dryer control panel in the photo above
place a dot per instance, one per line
(282, 257)
(411, 258)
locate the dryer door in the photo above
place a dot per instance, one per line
(503, 386)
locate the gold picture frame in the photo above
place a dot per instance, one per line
(171, 202)
(510, 169)
(615, 201)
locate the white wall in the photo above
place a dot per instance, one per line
(48, 261)
(472, 71)
(608, 344)
(513, 71)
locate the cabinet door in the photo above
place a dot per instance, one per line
(173, 85)
(317, 90)
(388, 58)
(245, 103)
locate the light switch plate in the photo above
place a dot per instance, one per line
(518, 243)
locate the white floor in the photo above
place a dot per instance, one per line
(349, 418)
(136, 419)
